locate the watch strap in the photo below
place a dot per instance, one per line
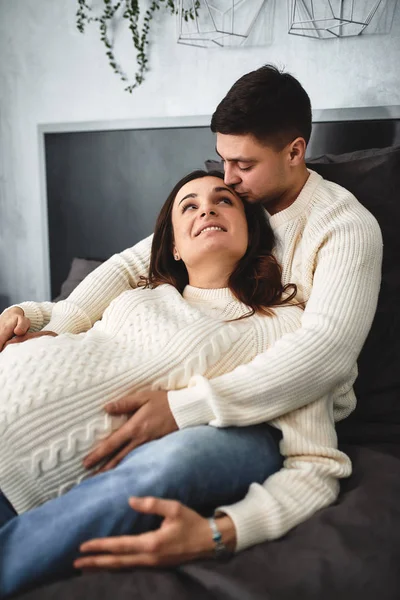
(221, 551)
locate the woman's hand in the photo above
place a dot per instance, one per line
(152, 419)
(12, 322)
(29, 336)
(183, 536)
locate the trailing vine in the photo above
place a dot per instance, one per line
(140, 36)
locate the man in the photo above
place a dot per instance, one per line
(328, 245)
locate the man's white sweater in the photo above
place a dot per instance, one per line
(331, 247)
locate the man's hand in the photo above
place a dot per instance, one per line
(183, 536)
(12, 322)
(152, 419)
(29, 336)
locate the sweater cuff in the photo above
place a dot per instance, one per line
(67, 317)
(249, 517)
(67, 324)
(31, 312)
(189, 406)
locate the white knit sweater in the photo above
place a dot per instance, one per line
(52, 390)
(331, 247)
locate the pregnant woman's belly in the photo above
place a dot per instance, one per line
(53, 389)
(52, 394)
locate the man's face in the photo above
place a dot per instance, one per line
(257, 172)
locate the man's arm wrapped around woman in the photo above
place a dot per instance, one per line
(87, 303)
(307, 482)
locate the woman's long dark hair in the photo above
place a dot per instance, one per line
(256, 279)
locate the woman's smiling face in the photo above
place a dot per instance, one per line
(209, 222)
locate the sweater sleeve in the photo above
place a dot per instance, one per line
(321, 355)
(307, 482)
(86, 304)
(39, 313)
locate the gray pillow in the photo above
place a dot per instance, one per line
(373, 176)
(214, 165)
(80, 268)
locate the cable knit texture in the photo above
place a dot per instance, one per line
(331, 247)
(53, 389)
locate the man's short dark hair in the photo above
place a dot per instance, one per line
(267, 103)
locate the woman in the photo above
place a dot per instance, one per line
(204, 310)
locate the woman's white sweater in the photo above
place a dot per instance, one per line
(52, 390)
(331, 247)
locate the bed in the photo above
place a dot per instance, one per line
(351, 549)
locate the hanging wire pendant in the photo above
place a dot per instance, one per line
(322, 19)
(218, 22)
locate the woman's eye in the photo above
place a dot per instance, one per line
(227, 200)
(184, 208)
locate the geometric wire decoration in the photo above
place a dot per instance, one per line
(323, 19)
(218, 22)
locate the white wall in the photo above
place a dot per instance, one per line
(50, 73)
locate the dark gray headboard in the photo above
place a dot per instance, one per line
(105, 188)
(106, 184)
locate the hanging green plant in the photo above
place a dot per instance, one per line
(140, 36)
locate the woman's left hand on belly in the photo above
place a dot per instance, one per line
(151, 419)
(183, 536)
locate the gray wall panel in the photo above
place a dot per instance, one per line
(105, 188)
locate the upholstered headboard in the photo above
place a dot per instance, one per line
(105, 182)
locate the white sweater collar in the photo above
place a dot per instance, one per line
(207, 295)
(298, 206)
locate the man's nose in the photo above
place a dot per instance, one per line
(230, 176)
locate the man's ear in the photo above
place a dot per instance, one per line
(297, 151)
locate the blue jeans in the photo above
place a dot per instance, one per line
(202, 467)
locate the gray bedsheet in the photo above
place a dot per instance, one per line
(348, 551)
